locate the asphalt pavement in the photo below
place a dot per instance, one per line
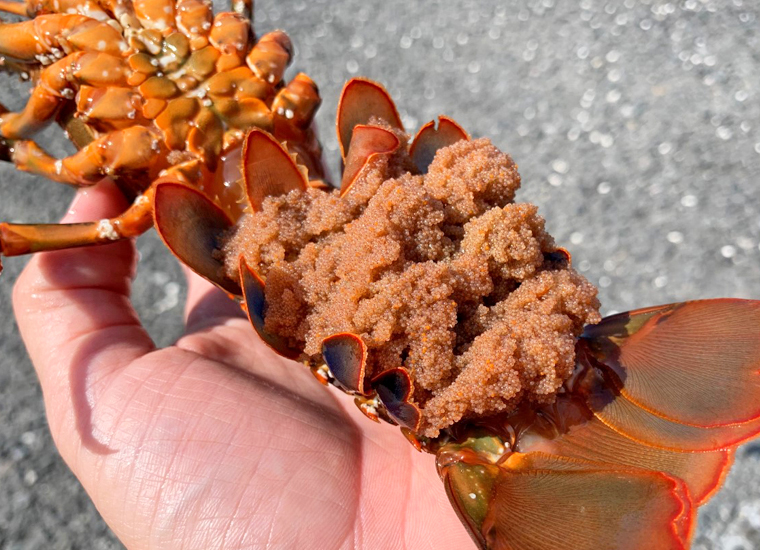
(636, 127)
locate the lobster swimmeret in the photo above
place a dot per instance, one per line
(418, 287)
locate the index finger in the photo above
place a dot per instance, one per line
(73, 307)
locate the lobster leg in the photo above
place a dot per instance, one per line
(19, 239)
(59, 82)
(33, 8)
(48, 38)
(159, 15)
(130, 150)
(37, 112)
(16, 8)
(43, 103)
(293, 110)
(19, 40)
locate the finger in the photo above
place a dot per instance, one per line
(74, 313)
(206, 304)
(216, 328)
(384, 450)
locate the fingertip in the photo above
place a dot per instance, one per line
(102, 200)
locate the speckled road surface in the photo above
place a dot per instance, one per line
(636, 126)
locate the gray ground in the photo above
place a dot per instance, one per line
(636, 125)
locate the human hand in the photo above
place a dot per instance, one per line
(214, 442)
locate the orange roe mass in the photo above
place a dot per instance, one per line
(440, 273)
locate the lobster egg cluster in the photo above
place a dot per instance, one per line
(441, 274)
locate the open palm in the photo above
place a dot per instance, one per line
(214, 442)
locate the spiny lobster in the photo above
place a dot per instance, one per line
(641, 433)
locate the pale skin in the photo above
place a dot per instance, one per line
(214, 442)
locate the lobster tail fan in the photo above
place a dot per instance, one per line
(627, 418)
(268, 169)
(463, 480)
(191, 226)
(682, 377)
(535, 501)
(360, 100)
(592, 440)
(695, 363)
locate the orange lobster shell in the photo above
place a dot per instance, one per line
(147, 90)
(624, 457)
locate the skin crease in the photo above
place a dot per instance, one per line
(215, 442)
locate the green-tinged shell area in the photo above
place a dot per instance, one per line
(441, 274)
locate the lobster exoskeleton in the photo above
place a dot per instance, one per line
(146, 90)
(188, 112)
